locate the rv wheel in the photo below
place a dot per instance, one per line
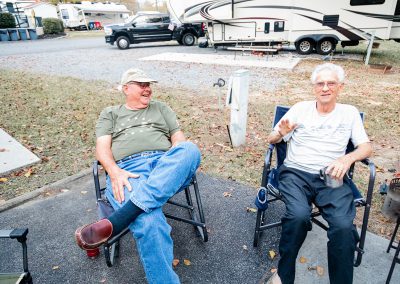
(304, 46)
(325, 46)
(123, 42)
(188, 39)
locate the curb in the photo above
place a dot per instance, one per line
(33, 194)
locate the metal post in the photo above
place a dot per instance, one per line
(371, 41)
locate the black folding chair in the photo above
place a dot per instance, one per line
(196, 214)
(17, 277)
(269, 184)
(394, 187)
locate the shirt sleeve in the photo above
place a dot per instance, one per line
(291, 115)
(358, 134)
(170, 119)
(104, 125)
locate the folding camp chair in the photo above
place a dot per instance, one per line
(17, 277)
(111, 247)
(394, 187)
(270, 189)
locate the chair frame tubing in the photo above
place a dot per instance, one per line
(112, 246)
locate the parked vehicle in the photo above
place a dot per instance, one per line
(150, 27)
(81, 16)
(309, 24)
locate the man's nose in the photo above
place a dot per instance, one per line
(325, 88)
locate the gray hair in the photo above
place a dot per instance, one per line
(338, 70)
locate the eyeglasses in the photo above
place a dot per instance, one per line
(330, 84)
(142, 85)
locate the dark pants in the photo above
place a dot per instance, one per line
(299, 190)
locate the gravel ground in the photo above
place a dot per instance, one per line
(93, 59)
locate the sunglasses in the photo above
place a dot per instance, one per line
(142, 85)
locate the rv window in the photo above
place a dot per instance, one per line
(366, 2)
(64, 14)
(266, 28)
(279, 26)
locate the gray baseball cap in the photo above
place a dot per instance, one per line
(135, 75)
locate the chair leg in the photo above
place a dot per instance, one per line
(396, 259)
(394, 236)
(202, 230)
(257, 231)
(111, 252)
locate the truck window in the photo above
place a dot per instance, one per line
(140, 20)
(366, 2)
(154, 19)
(166, 20)
(266, 28)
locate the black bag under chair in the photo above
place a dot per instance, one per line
(269, 190)
(195, 212)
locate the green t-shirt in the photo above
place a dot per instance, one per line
(135, 131)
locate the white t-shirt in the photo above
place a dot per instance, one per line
(320, 139)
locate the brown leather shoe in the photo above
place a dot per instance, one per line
(93, 235)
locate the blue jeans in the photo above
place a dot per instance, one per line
(162, 175)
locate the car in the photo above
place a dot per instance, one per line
(150, 27)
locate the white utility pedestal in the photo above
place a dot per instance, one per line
(237, 98)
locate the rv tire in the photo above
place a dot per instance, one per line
(188, 39)
(325, 46)
(305, 46)
(123, 42)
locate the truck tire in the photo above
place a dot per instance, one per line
(188, 39)
(305, 46)
(325, 46)
(123, 42)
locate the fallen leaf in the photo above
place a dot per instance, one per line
(2, 201)
(302, 259)
(2, 149)
(382, 231)
(273, 270)
(227, 194)
(3, 180)
(83, 191)
(320, 270)
(64, 190)
(56, 267)
(249, 209)
(103, 280)
(28, 173)
(272, 254)
(89, 210)
(187, 262)
(245, 247)
(175, 262)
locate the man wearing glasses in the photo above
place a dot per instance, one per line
(143, 150)
(317, 133)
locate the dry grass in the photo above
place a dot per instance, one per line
(54, 117)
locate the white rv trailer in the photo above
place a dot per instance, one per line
(78, 16)
(309, 24)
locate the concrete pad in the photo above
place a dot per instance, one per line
(13, 155)
(276, 61)
(374, 267)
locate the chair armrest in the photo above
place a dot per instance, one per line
(19, 234)
(267, 165)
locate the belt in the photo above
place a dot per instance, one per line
(141, 154)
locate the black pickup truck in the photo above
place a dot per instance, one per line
(148, 27)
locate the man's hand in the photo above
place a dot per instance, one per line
(119, 179)
(285, 127)
(338, 168)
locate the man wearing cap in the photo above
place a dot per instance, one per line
(144, 152)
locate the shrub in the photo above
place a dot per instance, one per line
(52, 26)
(7, 21)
